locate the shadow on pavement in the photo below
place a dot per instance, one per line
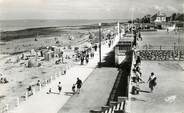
(69, 93)
(109, 60)
(144, 91)
(136, 99)
(53, 93)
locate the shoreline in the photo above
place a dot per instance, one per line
(47, 31)
(13, 25)
(17, 42)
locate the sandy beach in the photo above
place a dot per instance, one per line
(19, 76)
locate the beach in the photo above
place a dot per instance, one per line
(15, 43)
(19, 76)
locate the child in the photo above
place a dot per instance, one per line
(50, 91)
(59, 87)
(73, 88)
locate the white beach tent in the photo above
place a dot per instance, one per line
(87, 45)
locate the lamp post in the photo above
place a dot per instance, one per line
(99, 25)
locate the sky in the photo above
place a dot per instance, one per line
(86, 9)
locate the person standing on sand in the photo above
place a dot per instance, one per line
(87, 58)
(82, 59)
(59, 87)
(79, 84)
(95, 47)
(152, 81)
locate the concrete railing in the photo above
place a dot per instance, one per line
(129, 87)
(123, 103)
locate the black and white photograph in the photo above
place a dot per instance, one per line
(91, 56)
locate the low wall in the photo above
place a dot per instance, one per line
(120, 87)
(161, 55)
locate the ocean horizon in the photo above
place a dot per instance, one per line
(13, 25)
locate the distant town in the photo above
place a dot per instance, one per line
(160, 20)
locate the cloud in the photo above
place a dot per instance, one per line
(61, 9)
(172, 9)
(157, 8)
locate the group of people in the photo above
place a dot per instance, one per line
(78, 84)
(138, 76)
(3, 80)
(84, 57)
(75, 88)
(137, 36)
(137, 71)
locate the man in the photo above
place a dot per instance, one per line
(95, 47)
(79, 84)
(87, 58)
(139, 35)
(82, 59)
(152, 81)
(138, 60)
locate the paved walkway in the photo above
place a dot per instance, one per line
(51, 103)
(167, 96)
(94, 93)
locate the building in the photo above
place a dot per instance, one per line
(124, 45)
(158, 17)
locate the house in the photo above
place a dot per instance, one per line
(158, 17)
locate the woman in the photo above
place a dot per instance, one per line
(79, 84)
(152, 81)
(59, 87)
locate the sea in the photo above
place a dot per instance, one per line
(13, 25)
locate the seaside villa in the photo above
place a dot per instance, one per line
(159, 17)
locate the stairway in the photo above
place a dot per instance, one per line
(114, 106)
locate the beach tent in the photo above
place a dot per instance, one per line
(87, 45)
(48, 55)
(33, 52)
(32, 63)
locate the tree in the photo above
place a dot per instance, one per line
(173, 17)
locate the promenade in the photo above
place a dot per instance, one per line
(167, 96)
(94, 93)
(42, 102)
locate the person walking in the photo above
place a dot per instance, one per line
(82, 59)
(95, 47)
(87, 58)
(73, 88)
(139, 35)
(152, 81)
(79, 84)
(59, 87)
(138, 60)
